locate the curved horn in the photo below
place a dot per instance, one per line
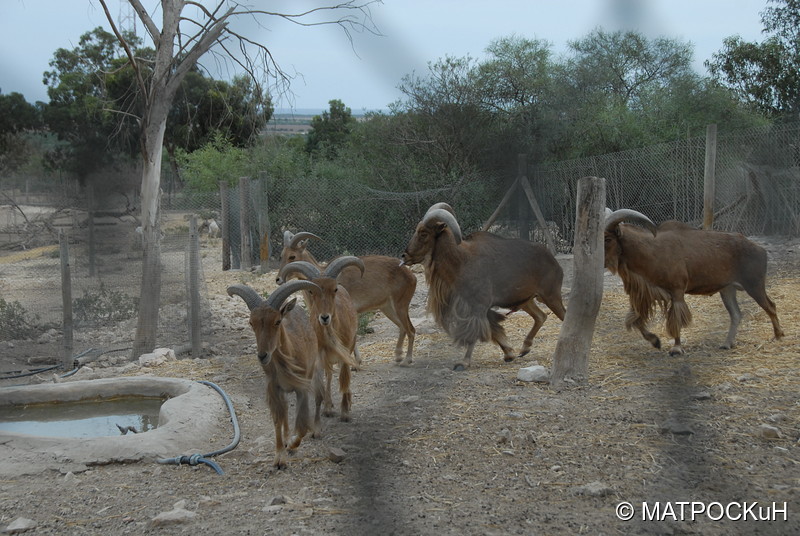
(446, 217)
(252, 298)
(625, 214)
(301, 236)
(287, 238)
(277, 298)
(303, 267)
(443, 206)
(337, 265)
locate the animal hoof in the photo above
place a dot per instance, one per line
(345, 418)
(459, 367)
(508, 358)
(522, 353)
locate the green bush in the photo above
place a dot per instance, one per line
(16, 323)
(104, 306)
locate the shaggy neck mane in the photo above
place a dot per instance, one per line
(644, 297)
(445, 266)
(288, 373)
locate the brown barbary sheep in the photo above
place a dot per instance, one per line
(384, 286)
(659, 265)
(335, 323)
(467, 278)
(287, 351)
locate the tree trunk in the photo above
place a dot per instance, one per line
(147, 325)
(571, 358)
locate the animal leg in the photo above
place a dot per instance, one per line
(280, 418)
(327, 405)
(760, 296)
(407, 329)
(302, 424)
(318, 387)
(678, 316)
(633, 320)
(347, 395)
(464, 364)
(728, 295)
(539, 317)
(498, 335)
(357, 355)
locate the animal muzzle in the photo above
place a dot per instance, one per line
(264, 358)
(325, 320)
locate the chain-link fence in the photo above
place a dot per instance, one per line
(757, 192)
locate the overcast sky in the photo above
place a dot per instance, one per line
(415, 32)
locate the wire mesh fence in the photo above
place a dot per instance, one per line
(757, 192)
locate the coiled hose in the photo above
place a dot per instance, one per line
(196, 459)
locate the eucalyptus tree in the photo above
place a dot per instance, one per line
(17, 119)
(605, 87)
(188, 31)
(765, 75)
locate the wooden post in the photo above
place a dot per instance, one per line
(263, 223)
(526, 187)
(244, 223)
(92, 246)
(193, 273)
(225, 218)
(571, 358)
(503, 203)
(709, 177)
(66, 300)
(523, 221)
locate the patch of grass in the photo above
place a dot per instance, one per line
(363, 323)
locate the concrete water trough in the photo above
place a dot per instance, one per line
(193, 419)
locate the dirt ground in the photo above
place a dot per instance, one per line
(432, 451)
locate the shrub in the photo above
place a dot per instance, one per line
(16, 323)
(104, 306)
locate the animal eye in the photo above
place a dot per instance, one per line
(292, 257)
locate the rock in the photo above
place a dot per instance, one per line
(20, 525)
(675, 426)
(336, 455)
(702, 395)
(747, 377)
(175, 516)
(769, 432)
(278, 499)
(593, 489)
(535, 373)
(504, 436)
(158, 357)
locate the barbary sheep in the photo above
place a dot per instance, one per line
(384, 286)
(659, 265)
(287, 351)
(335, 323)
(467, 278)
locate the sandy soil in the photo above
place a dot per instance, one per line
(432, 451)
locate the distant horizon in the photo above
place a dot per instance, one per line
(319, 111)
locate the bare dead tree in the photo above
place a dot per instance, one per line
(191, 29)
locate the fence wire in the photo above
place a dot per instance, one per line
(757, 193)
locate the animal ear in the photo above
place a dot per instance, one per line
(440, 227)
(288, 306)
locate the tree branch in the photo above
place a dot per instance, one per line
(128, 51)
(152, 29)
